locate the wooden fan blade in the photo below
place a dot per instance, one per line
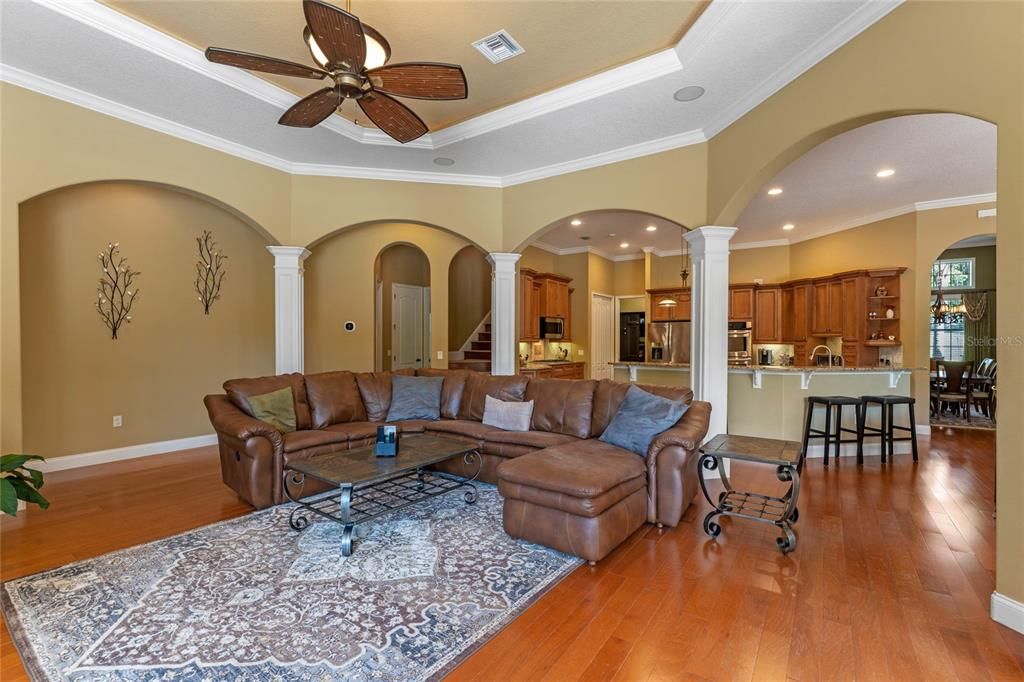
(420, 80)
(312, 110)
(257, 62)
(393, 117)
(338, 34)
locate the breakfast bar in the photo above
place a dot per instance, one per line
(769, 401)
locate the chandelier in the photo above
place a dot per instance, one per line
(684, 268)
(944, 312)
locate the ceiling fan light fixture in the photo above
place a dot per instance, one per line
(378, 51)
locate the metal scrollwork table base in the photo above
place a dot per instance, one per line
(364, 486)
(785, 456)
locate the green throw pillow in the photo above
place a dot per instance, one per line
(277, 408)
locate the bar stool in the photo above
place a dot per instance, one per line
(838, 402)
(885, 431)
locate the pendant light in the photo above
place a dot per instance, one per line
(684, 269)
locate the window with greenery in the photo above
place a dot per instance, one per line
(947, 338)
(953, 273)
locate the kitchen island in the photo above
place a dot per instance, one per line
(768, 401)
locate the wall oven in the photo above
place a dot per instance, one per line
(552, 328)
(739, 343)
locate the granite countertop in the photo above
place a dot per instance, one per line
(546, 364)
(771, 368)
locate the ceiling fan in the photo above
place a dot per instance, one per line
(354, 56)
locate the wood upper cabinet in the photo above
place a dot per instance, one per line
(827, 309)
(529, 305)
(680, 311)
(795, 311)
(554, 296)
(741, 303)
(852, 322)
(767, 311)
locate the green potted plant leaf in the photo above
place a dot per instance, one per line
(18, 482)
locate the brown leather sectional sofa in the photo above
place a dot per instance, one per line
(563, 487)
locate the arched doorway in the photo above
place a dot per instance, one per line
(962, 334)
(469, 310)
(608, 260)
(402, 304)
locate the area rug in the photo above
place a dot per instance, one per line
(947, 420)
(251, 599)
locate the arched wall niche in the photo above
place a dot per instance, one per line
(397, 263)
(75, 376)
(469, 294)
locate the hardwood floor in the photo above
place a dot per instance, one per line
(891, 579)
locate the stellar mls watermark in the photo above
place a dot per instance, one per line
(989, 341)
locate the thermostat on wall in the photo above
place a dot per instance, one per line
(350, 326)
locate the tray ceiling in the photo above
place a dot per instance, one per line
(564, 41)
(740, 52)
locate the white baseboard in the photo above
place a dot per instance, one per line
(86, 459)
(1008, 612)
(924, 429)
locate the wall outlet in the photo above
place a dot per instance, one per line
(117, 421)
(579, 351)
(440, 355)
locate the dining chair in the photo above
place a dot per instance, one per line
(955, 389)
(982, 393)
(984, 367)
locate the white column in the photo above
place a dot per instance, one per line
(709, 333)
(503, 312)
(288, 307)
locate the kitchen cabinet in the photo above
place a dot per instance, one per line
(554, 295)
(827, 310)
(767, 327)
(529, 299)
(542, 294)
(680, 311)
(741, 303)
(796, 311)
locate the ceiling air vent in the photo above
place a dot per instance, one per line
(499, 46)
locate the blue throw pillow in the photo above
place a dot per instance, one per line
(640, 418)
(415, 398)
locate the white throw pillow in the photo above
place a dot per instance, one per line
(507, 416)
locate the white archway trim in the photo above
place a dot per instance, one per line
(709, 349)
(289, 299)
(503, 312)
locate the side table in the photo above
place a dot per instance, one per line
(787, 458)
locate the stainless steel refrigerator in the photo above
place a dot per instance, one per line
(672, 339)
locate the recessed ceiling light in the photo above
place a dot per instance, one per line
(689, 93)
(652, 228)
(575, 222)
(788, 226)
(884, 173)
(775, 191)
(444, 161)
(611, 234)
(624, 245)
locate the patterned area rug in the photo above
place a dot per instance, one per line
(948, 420)
(251, 599)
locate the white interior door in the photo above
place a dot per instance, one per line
(408, 320)
(602, 336)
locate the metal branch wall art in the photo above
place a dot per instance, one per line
(115, 294)
(209, 270)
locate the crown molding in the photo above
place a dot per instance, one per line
(967, 200)
(855, 222)
(851, 27)
(66, 93)
(573, 250)
(358, 172)
(584, 90)
(626, 153)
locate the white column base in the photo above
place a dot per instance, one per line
(709, 332)
(503, 312)
(289, 301)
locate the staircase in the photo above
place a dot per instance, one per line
(478, 356)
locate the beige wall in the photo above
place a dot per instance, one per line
(397, 264)
(76, 378)
(339, 287)
(770, 264)
(469, 294)
(962, 57)
(628, 277)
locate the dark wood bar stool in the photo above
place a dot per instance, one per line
(886, 430)
(833, 430)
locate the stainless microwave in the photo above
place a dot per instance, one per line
(552, 328)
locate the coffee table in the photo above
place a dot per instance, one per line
(364, 486)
